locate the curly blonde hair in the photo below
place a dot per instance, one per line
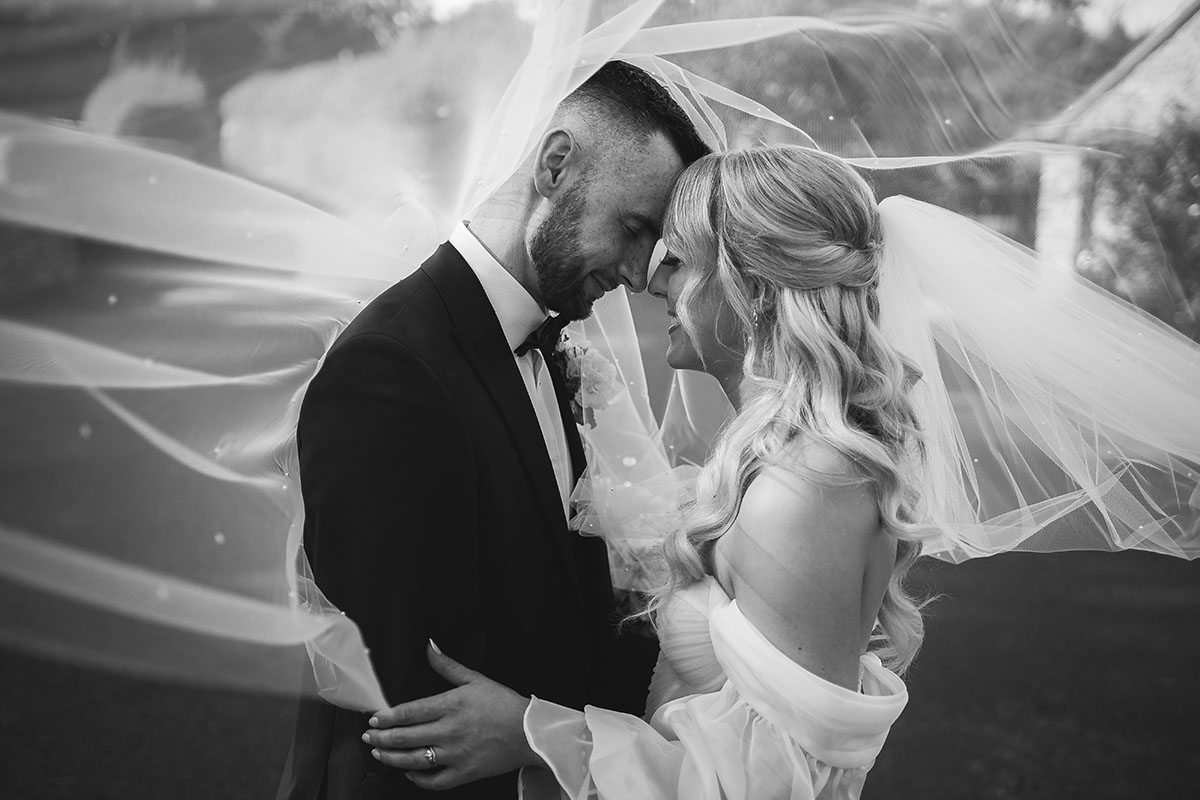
(790, 238)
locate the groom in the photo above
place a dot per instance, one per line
(438, 450)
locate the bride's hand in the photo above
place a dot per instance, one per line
(476, 730)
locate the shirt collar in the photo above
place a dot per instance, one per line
(518, 312)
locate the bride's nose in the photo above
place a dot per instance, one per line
(658, 281)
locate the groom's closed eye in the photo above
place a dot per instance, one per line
(641, 225)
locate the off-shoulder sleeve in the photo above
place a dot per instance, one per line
(774, 730)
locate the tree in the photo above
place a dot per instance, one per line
(1146, 215)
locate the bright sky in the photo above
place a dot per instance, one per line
(1137, 15)
(448, 8)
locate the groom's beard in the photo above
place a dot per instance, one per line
(557, 257)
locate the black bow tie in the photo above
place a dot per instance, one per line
(544, 336)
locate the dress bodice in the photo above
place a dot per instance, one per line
(686, 662)
(705, 641)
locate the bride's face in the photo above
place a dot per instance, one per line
(715, 344)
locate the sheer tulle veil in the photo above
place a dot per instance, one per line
(151, 516)
(1040, 410)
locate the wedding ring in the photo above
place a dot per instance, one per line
(431, 757)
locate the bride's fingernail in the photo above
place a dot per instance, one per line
(366, 737)
(436, 649)
(375, 753)
(373, 722)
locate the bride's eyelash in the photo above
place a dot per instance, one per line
(671, 260)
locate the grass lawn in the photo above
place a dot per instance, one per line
(1043, 676)
(1052, 676)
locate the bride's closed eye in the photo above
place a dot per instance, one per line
(661, 274)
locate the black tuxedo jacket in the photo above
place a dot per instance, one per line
(432, 511)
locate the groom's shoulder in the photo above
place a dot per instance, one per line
(411, 311)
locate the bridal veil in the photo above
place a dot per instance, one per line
(211, 191)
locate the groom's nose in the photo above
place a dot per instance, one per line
(633, 273)
(635, 279)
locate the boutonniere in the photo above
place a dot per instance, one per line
(591, 380)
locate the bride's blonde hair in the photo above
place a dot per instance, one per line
(790, 239)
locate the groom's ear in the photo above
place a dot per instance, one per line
(558, 155)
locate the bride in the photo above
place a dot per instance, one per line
(784, 623)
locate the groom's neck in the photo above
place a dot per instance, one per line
(500, 224)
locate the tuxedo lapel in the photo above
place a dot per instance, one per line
(482, 341)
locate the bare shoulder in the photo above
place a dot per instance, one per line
(814, 495)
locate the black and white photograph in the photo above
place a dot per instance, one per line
(599, 399)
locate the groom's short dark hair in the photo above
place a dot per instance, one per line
(625, 96)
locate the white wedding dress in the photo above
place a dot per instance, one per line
(732, 718)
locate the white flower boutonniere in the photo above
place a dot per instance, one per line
(591, 379)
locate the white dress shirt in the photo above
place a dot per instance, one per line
(519, 316)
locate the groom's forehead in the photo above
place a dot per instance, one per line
(652, 153)
(645, 175)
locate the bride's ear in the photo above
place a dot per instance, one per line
(557, 156)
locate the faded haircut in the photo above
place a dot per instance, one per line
(623, 99)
